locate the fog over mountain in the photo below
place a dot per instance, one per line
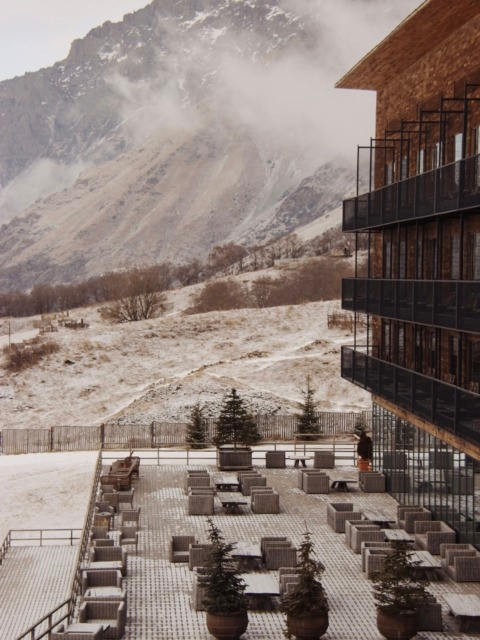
(188, 124)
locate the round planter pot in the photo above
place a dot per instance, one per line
(401, 626)
(309, 628)
(363, 465)
(227, 626)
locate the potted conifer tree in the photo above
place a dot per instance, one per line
(306, 605)
(225, 601)
(236, 432)
(398, 594)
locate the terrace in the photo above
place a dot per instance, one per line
(159, 593)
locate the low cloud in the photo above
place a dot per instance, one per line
(41, 179)
(288, 101)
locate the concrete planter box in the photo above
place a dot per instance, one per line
(230, 459)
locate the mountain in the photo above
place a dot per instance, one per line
(188, 124)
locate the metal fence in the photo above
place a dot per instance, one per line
(157, 434)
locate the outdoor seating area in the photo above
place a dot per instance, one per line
(122, 473)
(260, 559)
(102, 612)
(230, 493)
(351, 533)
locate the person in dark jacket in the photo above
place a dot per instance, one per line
(365, 447)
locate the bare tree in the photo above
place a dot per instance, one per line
(140, 298)
(225, 255)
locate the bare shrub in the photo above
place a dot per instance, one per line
(318, 279)
(139, 297)
(20, 357)
(221, 295)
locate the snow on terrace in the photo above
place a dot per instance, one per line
(45, 490)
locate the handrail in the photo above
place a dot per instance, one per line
(42, 536)
(77, 579)
(186, 455)
(5, 547)
(30, 632)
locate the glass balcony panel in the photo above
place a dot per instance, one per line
(468, 415)
(451, 187)
(447, 187)
(373, 297)
(360, 368)
(376, 205)
(445, 304)
(360, 293)
(349, 210)
(403, 393)
(425, 397)
(422, 396)
(363, 205)
(471, 190)
(469, 306)
(387, 299)
(386, 380)
(389, 203)
(457, 304)
(372, 374)
(444, 414)
(404, 299)
(406, 199)
(423, 311)
(348, 285)
(425, 196)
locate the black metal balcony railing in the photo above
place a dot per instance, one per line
(451, 408)
(452, 304)
(453, 187)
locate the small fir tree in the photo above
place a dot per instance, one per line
(308, 420)
(235, 424)
(197, 428)
(308, 597)
(220, 576)
(395, 588)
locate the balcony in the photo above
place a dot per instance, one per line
(453, 187)
(452, 304)
(453, 409)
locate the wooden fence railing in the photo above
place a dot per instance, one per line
(134, 436)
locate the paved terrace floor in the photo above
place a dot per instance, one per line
(159, 593)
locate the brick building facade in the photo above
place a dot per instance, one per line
(421, 288)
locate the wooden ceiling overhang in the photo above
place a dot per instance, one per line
(419, 33)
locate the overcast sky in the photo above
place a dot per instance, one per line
(38, 33)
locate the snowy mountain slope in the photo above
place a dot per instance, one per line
(157, 369)
(188, 124)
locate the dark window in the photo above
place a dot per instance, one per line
(386, 340)
(474, 361)
(455, 252)
(473, 256)
(387, 257)
(453, 358)
(421, 161)
(402, 257)
(431, 266)
(401, 345)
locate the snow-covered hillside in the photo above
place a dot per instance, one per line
(157, 369)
